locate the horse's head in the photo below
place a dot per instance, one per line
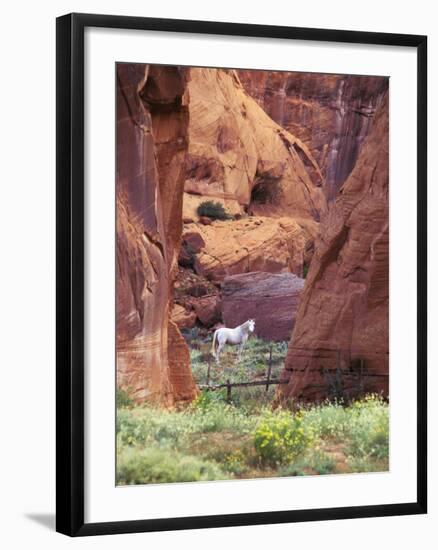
(251, 325)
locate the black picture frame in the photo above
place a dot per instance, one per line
(70, 273)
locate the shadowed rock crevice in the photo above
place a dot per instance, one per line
(265, 189)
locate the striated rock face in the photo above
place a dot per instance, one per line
(270, 299)
(340, 341)
(331, 114)
(252, 244)
(152, 357)
(239, 156)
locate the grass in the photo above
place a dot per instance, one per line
(212, 439)
(252, 366)
(363, 426)
(155, 465)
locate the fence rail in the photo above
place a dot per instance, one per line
(273, 381)
(229, 385)
(339, 368)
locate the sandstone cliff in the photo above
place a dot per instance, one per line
(340, 341)
(152, 357)
(331, 114)
(238, 155)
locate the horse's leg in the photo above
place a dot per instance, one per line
(242, 345)
(218, 350)
(239, 353)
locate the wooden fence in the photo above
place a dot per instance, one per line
(348, 366)
(229, 385)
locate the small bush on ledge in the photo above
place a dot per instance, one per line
(213, 210)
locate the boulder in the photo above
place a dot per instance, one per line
(185, 257)
(182, 317)
(192, 243)
(205, 221)
(193, 240)
(197, 289)
(340, 342)
(208, 310)
(271, 299)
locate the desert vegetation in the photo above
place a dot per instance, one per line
(253, 366)
(212, 439)
(214, 210)
(247, 437)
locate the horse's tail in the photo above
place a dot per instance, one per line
(213, 344)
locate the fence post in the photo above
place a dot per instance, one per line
(228, 391)
(208, 371)
(269, 368)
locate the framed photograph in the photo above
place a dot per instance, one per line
(241, 274)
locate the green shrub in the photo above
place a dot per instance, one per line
(154, 465)
(292, 470)
(321, 462)
(361, 465)
(213, 210)
(151, 426)
(123, 398)
(173, 429)
(313, 461)
(363, 426)
(329, 420)
(217, 416)
(213, 439)
(369, 428)
(280, 437)
(208, 399)
(234, 463)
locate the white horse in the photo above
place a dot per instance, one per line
(233, 336)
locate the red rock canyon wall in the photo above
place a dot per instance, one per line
(340, 340)
(331, 114)
(152, 357)
(241, 157)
